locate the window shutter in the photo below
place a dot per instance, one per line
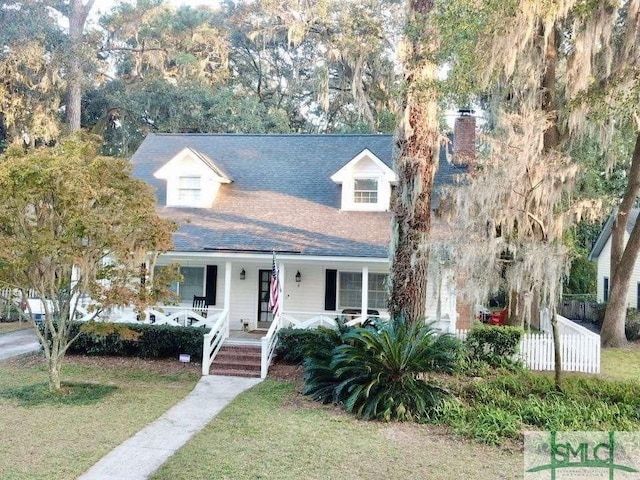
(330, 286)
(212, 283)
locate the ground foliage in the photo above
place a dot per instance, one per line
(498, 408)
(379, 373)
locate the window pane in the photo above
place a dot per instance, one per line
(365, 190)
(350, 292)
(378, 290)
(192, 284)
(189, 189)
(189, 182)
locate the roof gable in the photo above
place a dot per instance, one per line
(346, 172)
(603, 238)
(191, 158)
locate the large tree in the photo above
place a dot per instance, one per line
(565, 61)
(417, 139)
(72, 224)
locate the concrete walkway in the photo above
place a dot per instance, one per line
(18, 343)
(140, 456)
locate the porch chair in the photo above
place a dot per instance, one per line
(199, 306)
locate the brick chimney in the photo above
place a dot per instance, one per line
(464, 138)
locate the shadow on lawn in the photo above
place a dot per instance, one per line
(69, 394)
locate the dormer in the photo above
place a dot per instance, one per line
(366, 183)
(193, 179)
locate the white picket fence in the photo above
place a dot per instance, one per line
(580, 348)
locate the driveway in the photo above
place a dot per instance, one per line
(17, 343)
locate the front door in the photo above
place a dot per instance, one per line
(265, 317)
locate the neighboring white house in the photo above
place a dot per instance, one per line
(320, 202)
(601, 253)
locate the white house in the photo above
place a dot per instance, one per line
(320, 203)
(601, 253)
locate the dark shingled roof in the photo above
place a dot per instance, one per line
(282, 197)
(606, 232)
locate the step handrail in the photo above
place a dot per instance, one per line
(214, 339)
(269, 342)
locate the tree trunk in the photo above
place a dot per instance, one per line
(556, 350)
(623, 259)
(77, 19)
(54, 373)
(415, 165)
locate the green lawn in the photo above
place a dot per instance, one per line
(272, 432)
(621, 363)
(60, 441)
(6, 327)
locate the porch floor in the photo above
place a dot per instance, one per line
(253, 337)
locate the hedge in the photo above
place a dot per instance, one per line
(136, 340)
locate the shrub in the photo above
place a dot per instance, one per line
(495, 346)
(135, 340)
(294, 344)
(632, 325)
(378, 374)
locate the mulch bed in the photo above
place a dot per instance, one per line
(286, 371)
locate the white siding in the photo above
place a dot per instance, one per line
(604, 270)
(366, 168)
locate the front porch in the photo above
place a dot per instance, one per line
(228, 294)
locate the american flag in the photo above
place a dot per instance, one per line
(274, 304)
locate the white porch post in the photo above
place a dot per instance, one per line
(365, 292)
(282, 277)
(227, 291)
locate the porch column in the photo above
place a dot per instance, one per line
(227, 291)
(283, 278)
(365, 292)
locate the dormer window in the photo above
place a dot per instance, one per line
(366, 183)
(365, 190)
(189, 190)
(193, 179)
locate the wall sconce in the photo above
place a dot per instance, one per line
(243, 274)
(298, 277)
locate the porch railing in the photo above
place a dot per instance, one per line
(269, 343)
(214, 339)
(325, 319)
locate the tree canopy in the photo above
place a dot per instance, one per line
(75, 224)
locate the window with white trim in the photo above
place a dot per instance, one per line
(192, 283)
(365, 190)
(350, 290)
(189, 190)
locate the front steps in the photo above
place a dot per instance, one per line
(237, 360)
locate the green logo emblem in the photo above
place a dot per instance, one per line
(582, 454)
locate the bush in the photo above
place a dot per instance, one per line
(632, 325)
(294, 344)
(378, 374)
(495, 346)
(135, 340)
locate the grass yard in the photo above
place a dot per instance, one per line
(273, 432)
(6, 327)
(60, 440)
(621, 363)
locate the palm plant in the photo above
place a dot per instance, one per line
(378, 374)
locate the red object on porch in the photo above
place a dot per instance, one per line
(498, 318)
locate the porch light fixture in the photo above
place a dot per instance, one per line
(298, 277)
(243, 274)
